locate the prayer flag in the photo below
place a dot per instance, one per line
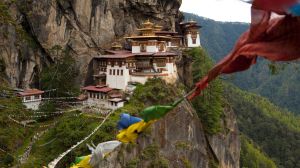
(157, 112)
(274, 38)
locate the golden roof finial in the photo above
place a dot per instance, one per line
(158, 27)
(116, 45)
(148, 24)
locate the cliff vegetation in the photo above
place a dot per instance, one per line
(275, 130)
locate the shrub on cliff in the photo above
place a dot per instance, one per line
(209, 105)
(61, 75)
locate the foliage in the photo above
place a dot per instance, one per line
(61, 75)
(132, 163)
(275, 130)
(209, 105)
(253, 157)
(186, 162)
(12, 135)
(277, 81)
(151, 153)
(5, 17)
(48, 107)
(155, 92)
(183, 145)
(65, 134)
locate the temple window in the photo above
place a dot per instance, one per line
(121, 72)
(114, 72)
(161, 47)
(118, 72)
(37, 97)
(143, 48)
(27, 98)
(194, 41)
(110, 72)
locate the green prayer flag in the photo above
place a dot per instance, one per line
(79, 159)
(157, 112)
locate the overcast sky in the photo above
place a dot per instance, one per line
(220, 10)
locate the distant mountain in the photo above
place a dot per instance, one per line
(283, 88)
(275, 130)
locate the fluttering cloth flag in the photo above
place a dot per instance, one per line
(130, 127)
(126, 120)
(82, 162)
(130, 134)
(101, 151)
(277, 6)
(157, 112)
(274, 37)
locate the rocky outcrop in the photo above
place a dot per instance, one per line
(179, 140)
(20, 55)
(226, 145)
(85, 27)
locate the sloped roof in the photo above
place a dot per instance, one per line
(30, 92)
(98, 89)
(120, 55)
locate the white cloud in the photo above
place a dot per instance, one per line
(220, 10)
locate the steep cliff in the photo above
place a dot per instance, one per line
(179, 140)
(84, 27)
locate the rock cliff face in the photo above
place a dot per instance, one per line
(178, 140)
(85, 27)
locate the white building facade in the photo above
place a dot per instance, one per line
(193, 40)
(31, 98)
(102, 96)
(191, 34)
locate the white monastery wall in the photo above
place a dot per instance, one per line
(115, 80)
(152, 48)
(190, 41)
(136, 49)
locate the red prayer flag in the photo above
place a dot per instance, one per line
(278, 6)
(276, 38)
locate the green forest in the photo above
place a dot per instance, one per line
(210, 105)
(275, 130)
(253, 156)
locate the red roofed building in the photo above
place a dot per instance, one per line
(31, 98)
(100, 96)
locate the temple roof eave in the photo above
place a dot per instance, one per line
(148, 37)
